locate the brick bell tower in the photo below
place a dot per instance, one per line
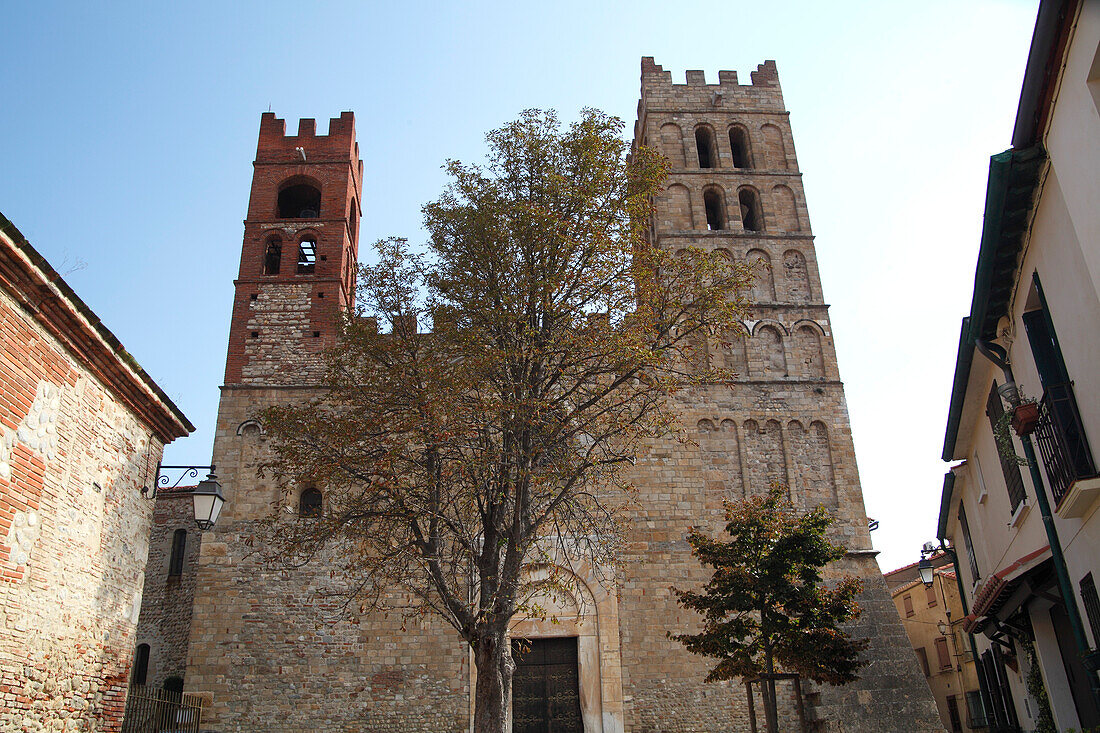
(300, 251)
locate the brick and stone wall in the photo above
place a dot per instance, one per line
(74, 532)
(165, 622)
(82, 429)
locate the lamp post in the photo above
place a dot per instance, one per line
(927, 575)
(207, 497)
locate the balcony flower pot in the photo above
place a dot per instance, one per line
(1025, 417)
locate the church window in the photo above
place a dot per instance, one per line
(751, 219)
(704, 143)
(309, 503)
(179, 545)
(716, 213)
(141, 665)
(273, 255)
(739, 145)
(299, 201)
(307, 256)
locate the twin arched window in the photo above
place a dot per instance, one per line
(273, 256)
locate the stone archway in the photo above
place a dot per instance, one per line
(571, 602)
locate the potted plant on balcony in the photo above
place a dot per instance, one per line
(1025, 417)
(1006, 424)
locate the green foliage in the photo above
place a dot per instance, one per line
(1044, 723)
(766, 608)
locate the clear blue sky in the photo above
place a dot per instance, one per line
(129, 129)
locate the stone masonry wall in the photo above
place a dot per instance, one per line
(73, 536)
(270, 651)
(165, 622)
(785, 419)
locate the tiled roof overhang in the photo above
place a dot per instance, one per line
(1013, 180)
(999, 587)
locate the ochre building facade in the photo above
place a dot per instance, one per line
(260, 649)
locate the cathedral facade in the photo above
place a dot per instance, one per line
(259, 650)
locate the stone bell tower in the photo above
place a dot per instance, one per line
(735, 188)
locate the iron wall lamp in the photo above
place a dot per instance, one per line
(207, 497)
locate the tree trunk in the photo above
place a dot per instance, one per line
(493, 659)
(771, 712)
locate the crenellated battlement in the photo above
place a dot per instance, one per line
(659, 92)
(275, 146)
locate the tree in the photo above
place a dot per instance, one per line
(453, 459)
(765, 606)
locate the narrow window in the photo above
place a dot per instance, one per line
(942, 655)
(716, 215)
(968, 545)
(309, 503)
(1092, 607)
(930, 593)
(953, 714)
(307, 256)
(750, 210)
(907, 602)
(179, 545)
(704, 143)
(922, 655)
(739, 144)
(273, 255)
(299, 201)
(141, 665)
(975, 710)
(1011, 470)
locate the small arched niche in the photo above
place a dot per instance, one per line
(299, 199)
(672, 144)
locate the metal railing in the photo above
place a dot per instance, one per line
(1062, 444)
(149, 710)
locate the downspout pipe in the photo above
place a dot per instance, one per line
(999, 357)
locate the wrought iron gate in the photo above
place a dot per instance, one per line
(546, 686)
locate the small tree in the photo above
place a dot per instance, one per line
(453, 459)
(765, 608)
